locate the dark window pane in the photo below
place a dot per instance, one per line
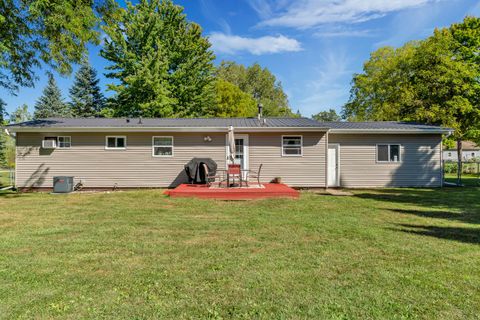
(394, 153)
(111, 142)
(163, 151)
(292, 141)
(382, 152)
(162, 141)
(120, 142)
(292, 150)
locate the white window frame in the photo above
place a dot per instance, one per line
(388, 145)
(301, 145)
(115, 148)
(159, 155)
(58, 142)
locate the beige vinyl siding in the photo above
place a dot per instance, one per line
(420, 160)
(88, 160)
(307, 170)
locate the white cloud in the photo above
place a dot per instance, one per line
(329, 88)
(342, 32)
(262, 8)
(230, 44)
(305, 14)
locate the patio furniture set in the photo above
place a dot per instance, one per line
(233, 176)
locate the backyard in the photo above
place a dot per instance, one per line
(393, 253)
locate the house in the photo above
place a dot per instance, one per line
(469, 151)
(135, 153)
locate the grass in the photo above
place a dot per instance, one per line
(469, 180)
(387, 254)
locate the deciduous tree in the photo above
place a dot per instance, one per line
(435, 81)
(233, 102)
(21, 114)
(162, 62)
(330, 115)
(50, 31)
(258, 82)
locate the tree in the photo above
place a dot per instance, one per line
(86, 97)
(233, 102)
(258, 82)
(51, 103)
(48, 31)
(21, 114)
(161, 60)
(433, 81)
(330, 115)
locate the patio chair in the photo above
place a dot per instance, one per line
(235, 170)
(209, 176)
(255, 174)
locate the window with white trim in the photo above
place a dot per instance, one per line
(64, 141)
(388, 153)
(116, 142)
(292, 146)
(162, 146)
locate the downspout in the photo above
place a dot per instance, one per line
(326, 159)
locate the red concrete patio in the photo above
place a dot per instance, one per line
(269, 190)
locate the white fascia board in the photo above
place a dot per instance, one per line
(166, 129)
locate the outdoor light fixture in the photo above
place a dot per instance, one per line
(207, 139)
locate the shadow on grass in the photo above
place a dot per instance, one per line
(466, 235)
(460, 204)
(467, 217)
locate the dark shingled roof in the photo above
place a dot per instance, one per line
(224, 123)
(169, 122)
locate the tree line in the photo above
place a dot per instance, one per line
(160, 64)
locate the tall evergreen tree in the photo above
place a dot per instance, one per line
(51, 103)
(86, 97)
(162, 61)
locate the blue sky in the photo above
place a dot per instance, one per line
(312, 46)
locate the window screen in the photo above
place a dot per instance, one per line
(162, 146)
(292, 145)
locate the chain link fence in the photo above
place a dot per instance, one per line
(7, 177)
(469, 175)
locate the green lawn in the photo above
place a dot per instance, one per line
(469, 180)
(385, 254)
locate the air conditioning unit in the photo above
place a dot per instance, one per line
(49, 144)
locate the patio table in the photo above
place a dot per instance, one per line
(232, 176)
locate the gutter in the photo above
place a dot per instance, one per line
(166, 129)
(392, 131)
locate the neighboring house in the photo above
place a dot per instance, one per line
(152, 152)
(469, 151)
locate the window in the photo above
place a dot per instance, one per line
(116, 142)
(64, 142)
(388, 153)
(292, 146)
(162, 146)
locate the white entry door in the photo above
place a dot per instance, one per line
(333, 165)
(241, 151)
